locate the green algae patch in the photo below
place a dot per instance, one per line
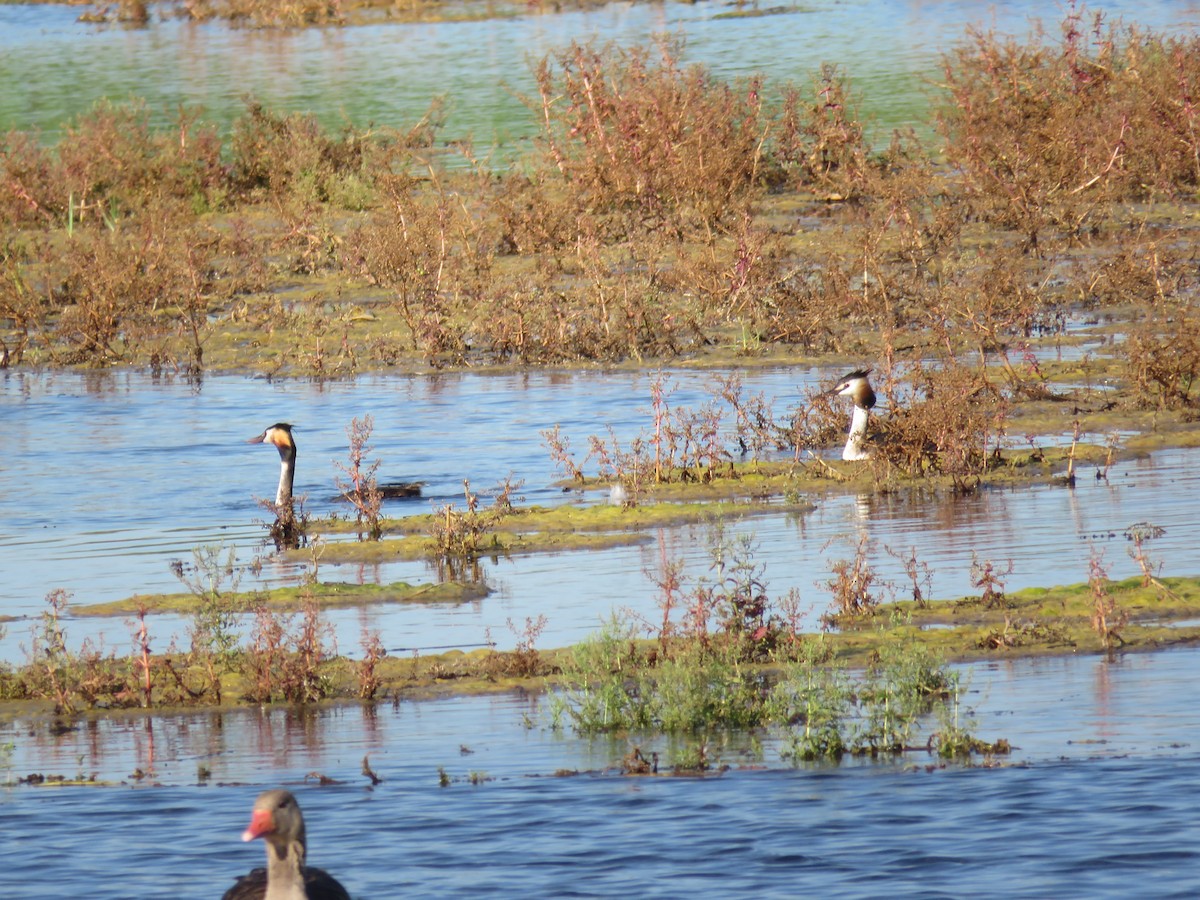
(1164, 598)
(541, 529)
(755, 12)
(613, 517)
(1041, 621)
(500, 543)
(327, 595)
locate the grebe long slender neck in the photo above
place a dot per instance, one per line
(855, 449)
(280, 434)
(857, 387)
(278, 821)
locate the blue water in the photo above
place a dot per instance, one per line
(1096, 801)
(1112, 828)
(107, 477)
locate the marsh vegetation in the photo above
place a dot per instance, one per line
(661, 216)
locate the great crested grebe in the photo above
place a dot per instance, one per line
(280, 434)
(277, 820)
(857, 387)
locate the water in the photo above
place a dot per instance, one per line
(1115, 828)
(387, 74)
(107, 477)
(1096, 802)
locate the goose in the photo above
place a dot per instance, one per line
(280, 435)
(276, 819)
(857, 386)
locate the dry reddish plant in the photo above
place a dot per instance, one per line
(989, 579)
(1046, 134)
(636, 230)
(853, 587)
(1107, 617)
(951, 423)
(644, 136)
(369, 681)
(819, 143)
(362, 489)
(286, 654)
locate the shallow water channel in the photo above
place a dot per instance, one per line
(387, 74)
(108, 478)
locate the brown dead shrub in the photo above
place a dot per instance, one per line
(1047, 135)
(121, 289)
(1164, 356)
(425, 248)
(819, 143)
(668, 145)
(276, 155)
(111, 164)
(531, 215)
(28, 194)
(25, 304)
(951, 423)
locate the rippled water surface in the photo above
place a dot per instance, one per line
(105, 478)
(1097, 801)
(108, 477)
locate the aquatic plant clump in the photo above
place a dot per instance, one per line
(711, 670)
(822, 710)
(877, 712)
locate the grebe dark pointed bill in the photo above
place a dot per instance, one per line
(280, 435)
(857, 386)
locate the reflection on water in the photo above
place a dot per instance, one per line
(1077, 707)
(104, 480)
(1097, 799)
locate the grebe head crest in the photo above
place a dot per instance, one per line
(857, 386)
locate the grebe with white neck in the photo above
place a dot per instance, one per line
(857, 386)
(280, 435)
